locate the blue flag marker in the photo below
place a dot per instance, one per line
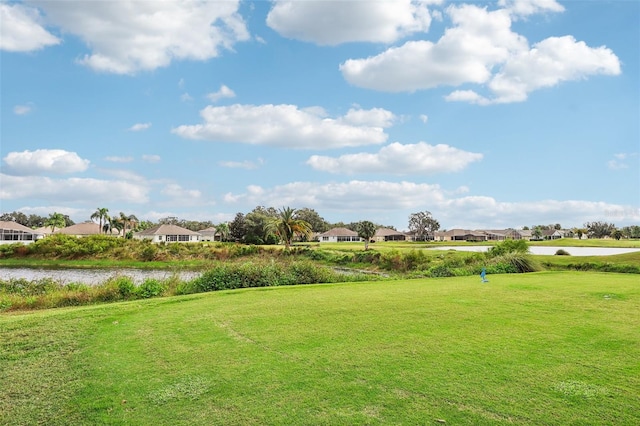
(483, 275)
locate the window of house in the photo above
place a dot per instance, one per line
(183, 238)
(172, 238)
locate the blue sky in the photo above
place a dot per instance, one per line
(488, 114)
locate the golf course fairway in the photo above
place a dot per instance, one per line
(553, 348)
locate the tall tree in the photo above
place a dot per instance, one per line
(423, 224)
(599, 229)
(286, 226)
(318, 224)
(258, 230)
(238, 228)
(144, 224)
(36, 221)
(102, 214)
(55, 220)
(537, 233)
(17, 217)
(366, 230)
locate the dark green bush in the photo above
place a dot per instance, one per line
(149, 252)
(562, 252)
(126, 286)
(508, 246)
(150, 287)
(439, 271)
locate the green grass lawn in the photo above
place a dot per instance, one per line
(550, 348)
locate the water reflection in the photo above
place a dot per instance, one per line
(92, 276)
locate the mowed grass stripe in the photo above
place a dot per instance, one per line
(544, 348)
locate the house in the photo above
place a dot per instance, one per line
(209, 234)
(462, 235)
(168, 233)
(387, 234)
(551, 234)
(525, 234)
(84, 229)
(413, 236)
(337, 235)
(13, 232)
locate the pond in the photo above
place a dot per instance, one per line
(92, 276)
(544, 250)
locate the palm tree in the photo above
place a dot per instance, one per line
(125, 220)
(55, 220)
(286, 226)
(133, 221)
(366, 230)
(223, 230)
(102, 214)
(119, 223)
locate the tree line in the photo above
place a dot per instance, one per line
(257, 226)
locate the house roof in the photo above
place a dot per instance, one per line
(339, 232)
(167, 230)
(85, 228)
(43, 230)
(208, 231)
(385, 232)
(15, 226)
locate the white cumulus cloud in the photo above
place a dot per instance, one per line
(481, 48)
(399, 159)
(466, 53)
(288, 126)
(128, 36)
(176, 191)
(21, 29)
(529, 7)
(332, 23)
(548, 63)
(72, 190)
(224, 92)
(43, 161)
(355, 195)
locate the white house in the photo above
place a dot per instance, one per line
(338, 235)
(209, 234)
(168, 233)
(12, 232)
